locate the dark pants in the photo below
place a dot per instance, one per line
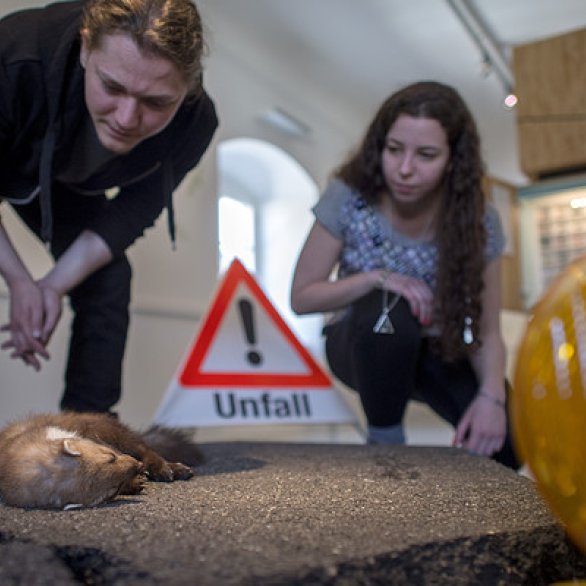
(93, 376)
(388, 370)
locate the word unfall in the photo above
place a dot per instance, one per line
(264, 406)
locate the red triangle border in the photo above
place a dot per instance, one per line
(191, 375)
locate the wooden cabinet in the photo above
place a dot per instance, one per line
(504, 197)
(550, 82)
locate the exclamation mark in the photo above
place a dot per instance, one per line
(246, 313)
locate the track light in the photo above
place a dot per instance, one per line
(493, 58)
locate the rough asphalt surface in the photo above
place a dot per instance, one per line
(303, 514)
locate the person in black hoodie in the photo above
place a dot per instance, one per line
(102, 113)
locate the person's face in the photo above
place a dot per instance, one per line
(415, 158)
(130, 95)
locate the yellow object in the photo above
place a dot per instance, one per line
(548, 403)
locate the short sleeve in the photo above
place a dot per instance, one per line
(495, 237)
(328, 210)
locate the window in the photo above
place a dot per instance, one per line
(237, 233)
(265, 221)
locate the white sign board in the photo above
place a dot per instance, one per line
(247, 367)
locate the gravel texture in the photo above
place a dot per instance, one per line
(307, 514)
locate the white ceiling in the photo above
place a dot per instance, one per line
(359, 51)
(354, 53)
(364, 48)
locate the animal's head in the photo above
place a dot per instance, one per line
(90, 473)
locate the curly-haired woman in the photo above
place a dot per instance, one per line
(416, 300)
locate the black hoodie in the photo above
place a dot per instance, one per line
(42, 106)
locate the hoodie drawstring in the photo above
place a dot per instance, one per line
(168, 189)
(45, 179)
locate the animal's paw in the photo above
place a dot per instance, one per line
(160, 470)
(137, 484)
(160, 473)
(180, 471)
(134, 485)
(157, 469)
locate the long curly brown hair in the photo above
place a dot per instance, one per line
(461, 234)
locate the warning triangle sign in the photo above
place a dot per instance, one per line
(246, 366)
(244, 341)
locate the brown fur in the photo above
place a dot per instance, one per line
(72, 460)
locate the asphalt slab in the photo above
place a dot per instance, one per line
(303, 514)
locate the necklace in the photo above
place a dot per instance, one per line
(383, 324)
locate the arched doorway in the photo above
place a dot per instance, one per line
(270, 197)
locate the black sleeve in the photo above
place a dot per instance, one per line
(187, 154)
(5, 132)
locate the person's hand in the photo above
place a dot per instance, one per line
(483, 426)
(25, 327)
(416, 292)
(52, 309)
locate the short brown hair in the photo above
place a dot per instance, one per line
(168, 28)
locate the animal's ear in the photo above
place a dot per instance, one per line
(69, 449)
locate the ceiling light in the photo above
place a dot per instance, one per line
(285, 122)
(511, 101)
(578, 202)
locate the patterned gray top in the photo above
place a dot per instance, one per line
(370, 242)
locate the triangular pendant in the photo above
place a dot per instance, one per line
(383, 324)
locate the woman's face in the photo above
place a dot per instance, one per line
(415, 159)
(130, 95)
